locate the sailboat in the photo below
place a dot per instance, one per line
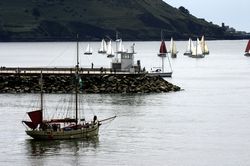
(110, 52)
(163, 49)
(160, 71)
(190, 46)
(247, 51)
(103, 48)
(121, 48)
(173, 52)
(89, 50)
(65, 128)
(204, 46)
(197, 50)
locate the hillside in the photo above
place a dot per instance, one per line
(53, 20)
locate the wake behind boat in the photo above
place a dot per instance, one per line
(68, 127)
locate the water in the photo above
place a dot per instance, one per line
(206, 124)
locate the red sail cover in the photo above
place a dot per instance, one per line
(163, 49)
(248, 46)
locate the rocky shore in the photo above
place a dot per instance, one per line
(89, 84)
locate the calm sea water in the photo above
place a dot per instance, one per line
(205, 124)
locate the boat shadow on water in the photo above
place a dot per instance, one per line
(47, 148)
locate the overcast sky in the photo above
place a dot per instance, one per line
(232, 12)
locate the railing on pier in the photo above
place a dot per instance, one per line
(60, 70)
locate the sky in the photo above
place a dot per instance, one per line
(233, 13)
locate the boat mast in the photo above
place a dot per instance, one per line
(41, 85)
(162, 58)
(76, 84)
(116, 45)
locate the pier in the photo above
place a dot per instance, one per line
(65, 71)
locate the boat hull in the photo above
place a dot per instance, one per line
(84, 133)
(173, 55)
(247, 54)
(161, 74)
(187, 53)
(162, 55)
(102, 52)
(110, 56)
(88, 53)
(197, 56)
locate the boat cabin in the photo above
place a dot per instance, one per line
(126, 63)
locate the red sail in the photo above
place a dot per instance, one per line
(36, 116)
(163, 49)
(31, 124)
(248, 46)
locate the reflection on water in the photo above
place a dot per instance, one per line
(46, 148)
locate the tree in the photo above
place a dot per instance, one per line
(184, 10)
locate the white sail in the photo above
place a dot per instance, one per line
(190, 45)
(110, 51)
(103, 48)
(206, 50)
(173, 50)
(197, 50)
(89, 50)
(204, 46)
(120, 46)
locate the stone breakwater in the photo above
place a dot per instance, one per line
(89, 84)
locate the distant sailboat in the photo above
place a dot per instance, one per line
(110, 52)
(173, 51)
(159, 71)
(204, 46)
(88, 51)
(189, 47)
(197, 50)
(247, 51)
(103, 48)
(121, 48)
(163, 49)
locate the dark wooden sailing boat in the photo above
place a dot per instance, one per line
(66, 128)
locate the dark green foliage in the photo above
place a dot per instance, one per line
(184, 10)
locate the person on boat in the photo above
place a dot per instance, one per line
(158, 70)
(95, 121)
(92, 65)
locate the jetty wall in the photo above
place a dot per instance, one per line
(100, 83)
